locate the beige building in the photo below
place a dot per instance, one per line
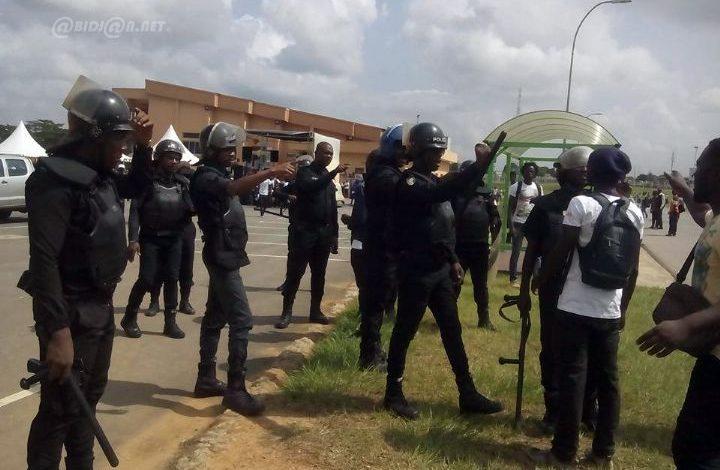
(190, 109)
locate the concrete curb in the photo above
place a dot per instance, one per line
(659, 261)
(215, 439)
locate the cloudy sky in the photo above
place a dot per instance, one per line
(650, 67)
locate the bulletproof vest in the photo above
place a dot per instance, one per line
(225, 232)
(95, 249)
(473, 220)
(165, 209)
(554, 205)
(380, 187)
(425, 232)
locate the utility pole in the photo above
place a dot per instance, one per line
(417, 119)
(672, 161)
(519, 101)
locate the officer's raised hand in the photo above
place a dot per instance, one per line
(283, 171)
(60, 355)
(143, 126)
(482, 154)
(132, 250)
(342, 168)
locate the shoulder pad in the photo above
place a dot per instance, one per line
(69, 170)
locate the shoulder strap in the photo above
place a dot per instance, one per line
(70, 171)
(519, 186)
(682, 274)
(602, 200)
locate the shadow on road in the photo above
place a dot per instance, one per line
(121, 393)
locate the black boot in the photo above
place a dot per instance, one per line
(185, 306)
(239, 400)
(395, 401)
(286, 316)
(316, 315)
(373, 358)
(472, 401)
(129, 324)
(484, 321)
(207, 384)
(171, 330)
(154, 308)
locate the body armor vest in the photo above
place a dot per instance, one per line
(165, 210)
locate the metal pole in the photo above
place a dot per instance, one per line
(572, 52)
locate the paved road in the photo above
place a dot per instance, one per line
(672, 251)
(148, 402)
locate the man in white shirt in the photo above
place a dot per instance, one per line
(264, 193)
(522, 195)
(589, 318)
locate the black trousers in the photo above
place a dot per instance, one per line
(227, 304)
(381, 277)
(657, 219)
(582, 343)
(415, 294)
(673, 222)
(159, 259)
(475, 259)
(187, 263)
(264, 202)
(307, 247)
(696, 444)
(549, 369)
(357, 261)
(59, 421)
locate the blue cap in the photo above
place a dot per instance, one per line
(609, 161)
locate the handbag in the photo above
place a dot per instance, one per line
(681, 300)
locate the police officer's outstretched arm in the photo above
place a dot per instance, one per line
(133, 229)
(308, 182)
(246, 184)
(131, 185)
(49, 207)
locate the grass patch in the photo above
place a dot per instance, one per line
(350, 429)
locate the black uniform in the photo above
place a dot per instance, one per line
(380, 258)
(474, 216)
(222, 221)
(78, 252)
(313, 232)
(158, 219)
(544, 227)
(424, 224)
(358, 234)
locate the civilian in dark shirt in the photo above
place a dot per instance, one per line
(313, 233)
(543, 230)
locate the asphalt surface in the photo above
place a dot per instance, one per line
(151, 378)
(671, 252)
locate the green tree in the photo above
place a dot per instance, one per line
(46, 132)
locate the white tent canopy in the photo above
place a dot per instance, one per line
(20, 142)
(187, 156)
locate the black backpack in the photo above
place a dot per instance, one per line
(608, 261)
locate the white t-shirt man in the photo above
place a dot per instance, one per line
(523, 207)
(578, 297)
(264, 188)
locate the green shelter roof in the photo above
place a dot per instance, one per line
(539, 129)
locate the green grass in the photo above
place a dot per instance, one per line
(350, 429)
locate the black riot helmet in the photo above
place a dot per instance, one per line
(220, 135)
(465, 165)
(424, 136)
(104, 111)
(168, 146)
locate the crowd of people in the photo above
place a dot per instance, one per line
(413, 237)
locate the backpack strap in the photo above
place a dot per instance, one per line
(682, 274)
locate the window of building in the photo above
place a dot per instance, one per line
(16, 167)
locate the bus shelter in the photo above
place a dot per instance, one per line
(531, 132)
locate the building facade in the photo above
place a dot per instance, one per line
(190, 109)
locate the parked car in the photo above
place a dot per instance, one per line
(14, 171)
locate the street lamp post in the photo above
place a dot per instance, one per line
(572, 52)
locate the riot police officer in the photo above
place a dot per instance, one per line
(312, 234)
(157, 220)
(475, 217)
(78, 251)
(543, 230)
(222, 221)
(429, 272)
(382, 177)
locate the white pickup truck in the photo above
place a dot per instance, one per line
(14, 171)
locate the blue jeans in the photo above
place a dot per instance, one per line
(517, 239)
